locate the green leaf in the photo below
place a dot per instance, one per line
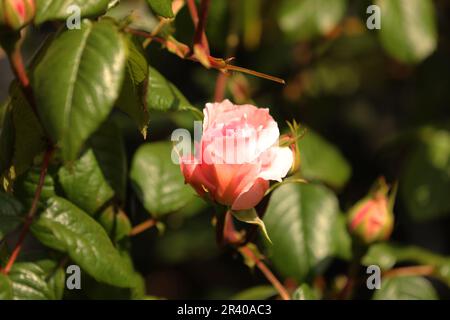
(6, 140)
(342, 239)
(387, 255)
(157, 181)
(305, 292)
(405, 288)
(408, 29)
(25, 187)
(77, 82)
(251, 216)
(22, 137)
(101, 291)
(64, 227)
(300, 220)
(6, 292)
(256, 293)
(133, 97)
(11, 212)
(109, 150)
(4, 253)
(163, 95)
(162, 8)
(41, 280)
(84, 184)
(116, 224)
(47, 10)
(322, 161)
(426, 176)
(306, 19)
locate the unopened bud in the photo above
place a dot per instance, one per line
(15, 14)
(371, 219)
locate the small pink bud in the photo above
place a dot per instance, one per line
(371, 219)
(16, 14)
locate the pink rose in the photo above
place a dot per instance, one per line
(238, 155)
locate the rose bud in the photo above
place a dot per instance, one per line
(371, 219)
(239, 155)
(15, 14)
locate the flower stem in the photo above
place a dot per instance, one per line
(199, 23)
(425, 270)
(31, 213)
(247, 252)
(142, 227)
(231, 236)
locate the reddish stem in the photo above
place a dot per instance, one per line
(31, 213)
(231, 236)
(221, 85)
(425, 270)
(18, 66)
(142, 227)
(200, 23)
(247, 252)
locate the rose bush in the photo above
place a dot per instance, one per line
(96, 204)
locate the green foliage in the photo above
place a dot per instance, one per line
(162, 8)
(64, 227)
(111, 157)
(408, 29)
(306, 19)
(163, 95)
(322, 161)
(251, 216)
(115, 223)
(22, 137)
(25, 186)
(405, 288)
(165, 192)
(6, 292)
(300, 221)
(41, 280)
(256, 293)
(133, 96)
(305, 292)
(426, 176)
(387, 255)
(84, 184)
(71, 109)
(47, 10)
(11, 212)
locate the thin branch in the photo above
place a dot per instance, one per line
(216, 63)
(247, 252)
(142, 227)
(200, 33)
(18, 67)
(254, 73)
(221, 85)
(425, 270)
(199, 23)
(155, 32)
(32, 212)
(19, 70)
(232, 43)
(231, 236)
